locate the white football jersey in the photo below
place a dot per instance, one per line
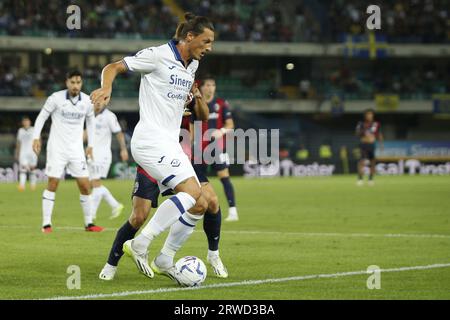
(106, 125)
(164, 88)
(68, 116)
(25, 137)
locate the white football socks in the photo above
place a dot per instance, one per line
(167, 214)
(96, 198)
(48, 201)
(22, 179)
(100, 193)
(109, 197)
(85, 201)
(33, 179)
(178, 234)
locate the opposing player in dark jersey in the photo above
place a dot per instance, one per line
(369, 133)
(221, 120)
(145, 196)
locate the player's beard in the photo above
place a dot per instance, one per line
(74, 93)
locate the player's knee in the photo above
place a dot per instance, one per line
(195, 193)
(138, 217)
(200, 207)
(52, 185)
(213, 204)
(85, 189)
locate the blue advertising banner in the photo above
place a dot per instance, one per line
(420, 150)
(441, 104)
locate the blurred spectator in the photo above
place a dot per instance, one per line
(302, 153)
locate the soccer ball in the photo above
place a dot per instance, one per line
(192, 271)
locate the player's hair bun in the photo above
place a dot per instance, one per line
(194, 24)
(189, 16)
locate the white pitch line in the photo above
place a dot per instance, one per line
(244, 283)
(305, 234)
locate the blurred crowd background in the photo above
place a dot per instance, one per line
(316, 98)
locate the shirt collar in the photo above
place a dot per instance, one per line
(68, 97)
(173, 46)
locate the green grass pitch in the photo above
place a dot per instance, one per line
(288, 228)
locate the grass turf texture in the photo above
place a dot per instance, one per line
(301, 227)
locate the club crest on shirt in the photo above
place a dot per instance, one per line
(175, 163)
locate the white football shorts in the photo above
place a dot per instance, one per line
(98, 169)
(58, 161)
(27, 160)
(167, 164)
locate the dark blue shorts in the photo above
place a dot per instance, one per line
(367, 151)
(146, 187)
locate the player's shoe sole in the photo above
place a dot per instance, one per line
(218, 267)
(117, 211)
(47, 229)
(139, 260)
(94, 228)
(232, 218)
(107, 274)
(169, 273)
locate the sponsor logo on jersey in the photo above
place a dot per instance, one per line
(177, 81)
(175, 163)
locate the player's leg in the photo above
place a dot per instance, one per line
(104, 192)
(224, 175)
(372, 166)
(22, 176)
(139, 214)
(78, 169)
(86, 204)
(48, 201)
(171, 168)
(181, 229)
(144, 196)
(33, 178)
(188, 193)
(96, 196)
(361, 165)
(179, 232)
(212, 222)
(33, 165)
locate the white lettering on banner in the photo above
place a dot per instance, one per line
(411, 167)
(287, 168)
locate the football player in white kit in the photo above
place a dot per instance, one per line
(25, 155)
(69, 109)
(106, 125)
(167, 75)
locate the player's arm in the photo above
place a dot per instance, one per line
(228, 124)
(123, 146)
(16, 152)
(102, 95)
(45, 112)
(144, 61)
(191, 131)
(90, 130)
(85, 136)
(201, 107)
